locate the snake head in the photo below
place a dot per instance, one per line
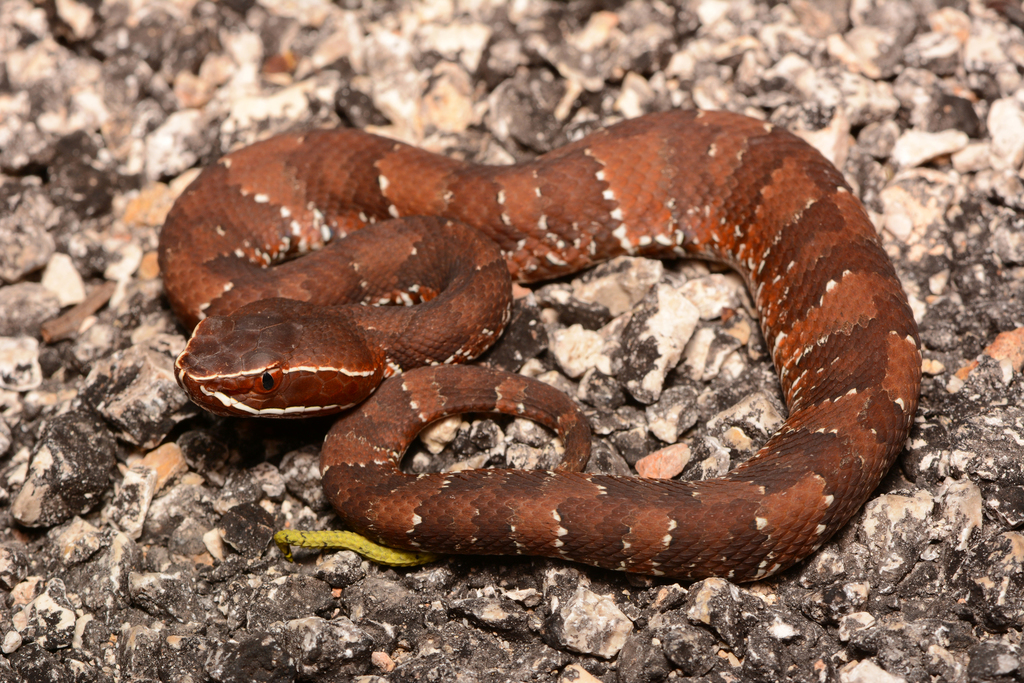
(278, 358)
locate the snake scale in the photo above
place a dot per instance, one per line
(712, 185)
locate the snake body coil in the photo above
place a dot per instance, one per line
(707, 184)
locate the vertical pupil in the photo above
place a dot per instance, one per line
(268, 381)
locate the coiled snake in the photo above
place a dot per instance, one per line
(708, 184)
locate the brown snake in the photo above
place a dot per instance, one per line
(708, 184)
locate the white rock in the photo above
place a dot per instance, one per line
(169, 148)
(19, 363)
(576, 349)
(466, 41)
(441, 433)
(755, 410)
(864, 100)
(916, 199)
(127, 511)
(868, 44)
(697, 351)
(866, 671)
(1006, 123)
(975, 157)
(854, 622)
(12, 641)
(62, 278)
(592, 624)
(669, 323)
(833, 141)
(714, 293)
(214, 544)
(625, 282)
(635, 97)
(983, 51)
(916, 147)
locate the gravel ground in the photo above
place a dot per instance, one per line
(136, 531)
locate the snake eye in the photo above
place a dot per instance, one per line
(269, 380)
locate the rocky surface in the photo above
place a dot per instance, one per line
(136, 531)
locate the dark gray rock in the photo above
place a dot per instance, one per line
(71, 467)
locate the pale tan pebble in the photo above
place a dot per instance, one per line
(974, 157)
(1006, 121)
(740, 329)
(168, 462)
(78, 541)
(149, 268)
(1008, 345)
(596, 33)
(192, 91)
(854, 622)
(441, 433)
(576, 349)
(78, 16)
(916, 147)
(149, 205)
(382, 661)
(952, 21)
(26, 591)
(665, 463)
(620, 284)
(448, 105)
(214, 543)
(62, 278)
(915, 200)
(833, 141)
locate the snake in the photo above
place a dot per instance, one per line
(302, 223)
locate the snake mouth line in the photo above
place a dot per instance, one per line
(235, 404)
(312, 369)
